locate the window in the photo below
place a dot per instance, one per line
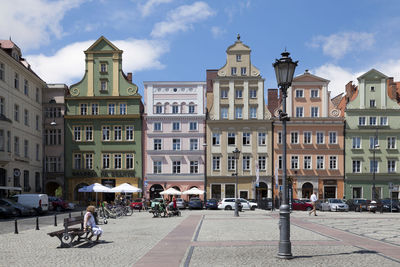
(253, 112)
(2, 146)
(333, 162)
(314, 93)
(294, 162)
(231, 163)
(320, 162)
(159, 109)
(373, 142)
(224, 93)
(52, 137)
(243, 70)
(307, 162)
(239, 93)
(37, 182)
(216, 163)
(16, 112)
(176, 126)
(27, 187)
(238, 112)
(262, 160)
(238, 57)
(103, 67)
(77, 161)
(191, 109)
(384, 121)
(103, 85)
(314, 112)
(391, 165)
(122, 108)
(307, 137)
(372, 89)
(246, 139)
(246, 163)
(194, 144)
(26, 87)
(194, 167)
(129, 133)
(391, 142)
(77, 133)
(356, 142)
(372, 103)
(84, 109)
(224, 113)
(216, 139)
(233, 71)
(299, 93)
(106, 161)
(320, 138)
(53, 164)
(231, 139)
(280, 162)
(37, 123)
(117, 133)
(89, 133)
(111, 109)
(157, 167)
(294, 137)
(373, 166)
(332, 137)
(299, 112)
(193, 126)
(157, 144)
(262, 139)
(253, 93)
(95, 109)
(176, 144)
(129, 161)
(16, 81)
(372, 120)
(2, 70)
(37, 152)
(175, 109)
(106, 133)
(117, 161)
(2, 106)
(26, 149)
(16, 145)
(176, 167)
(26, 117)
(279, 137)
(89, 161)
(361, 121)
(157, 126)
(37, 96)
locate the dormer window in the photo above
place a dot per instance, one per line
(233, 71)
(238, 58)
(372, 88)
(103, 67)
(372, 103)
(103, 85)
(243, 71)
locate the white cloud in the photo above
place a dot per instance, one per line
(339, 44)
(217, 31)
(67, 65)
(182, 19)
(33, 23)
(147, 8)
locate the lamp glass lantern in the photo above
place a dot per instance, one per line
(284, 70)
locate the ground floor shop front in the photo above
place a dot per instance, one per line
(361, 187)
(153, 188)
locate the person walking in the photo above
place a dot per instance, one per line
(313, 199)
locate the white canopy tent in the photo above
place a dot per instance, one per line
(125, 188)
(96, 187)
(170, 191)
(193, 191)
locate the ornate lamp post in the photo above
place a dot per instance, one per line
(375, 165)
(284, 71)
(236, 152)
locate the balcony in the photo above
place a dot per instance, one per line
(5, 157)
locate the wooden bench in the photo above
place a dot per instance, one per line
(68, 234)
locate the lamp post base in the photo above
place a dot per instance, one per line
(285, 246)
(236, 214)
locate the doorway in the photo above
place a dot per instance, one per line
(329, 192)
(155, 190)
(307, 190)
(261, 191)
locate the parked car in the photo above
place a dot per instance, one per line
(7, 211)
(180, 203)
(357, 204)
(248, 205)
(39, 202)
(229, 204)
(20, 210)
(137, 204)
(334, 204)
(212, 203)
(195, 203)
(298, 204)
(386, 203)
(58, 204)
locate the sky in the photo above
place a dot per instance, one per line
(178, 40)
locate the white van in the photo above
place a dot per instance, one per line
(39, 202)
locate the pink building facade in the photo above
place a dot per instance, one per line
(174, 131)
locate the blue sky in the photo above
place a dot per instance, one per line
(178, 40)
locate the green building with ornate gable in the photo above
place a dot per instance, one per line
(103, 125)
(372, 137)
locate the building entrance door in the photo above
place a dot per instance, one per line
(306, 190)
(329, 192)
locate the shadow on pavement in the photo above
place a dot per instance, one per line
(338, 254)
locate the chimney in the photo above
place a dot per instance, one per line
(129, 76)
(273, 100)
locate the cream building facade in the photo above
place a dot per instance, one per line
(237, 118)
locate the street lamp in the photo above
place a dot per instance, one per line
(236, 152)
(375, 165)
(284, 71)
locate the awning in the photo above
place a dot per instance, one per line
(11, 188)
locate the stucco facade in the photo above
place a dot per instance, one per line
(103, 127)
(238, 118)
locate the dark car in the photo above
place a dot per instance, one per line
(7, 211)
(195, 203)
(298, 204)
(385, 204)
(212, 203)
(58, 204)
(19, 209)
(358, 204)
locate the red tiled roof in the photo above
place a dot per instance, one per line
(7, 44)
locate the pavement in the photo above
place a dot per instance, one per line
(216, 238)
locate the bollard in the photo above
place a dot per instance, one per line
(37, 223)
(16, 227)
(336, 208)
(55, 219)
(70, 215)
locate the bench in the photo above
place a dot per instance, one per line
(68, 234)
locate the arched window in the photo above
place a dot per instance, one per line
(158, 108)
(192, 108)
(175, 108)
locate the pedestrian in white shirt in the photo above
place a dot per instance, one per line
(313, 199)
